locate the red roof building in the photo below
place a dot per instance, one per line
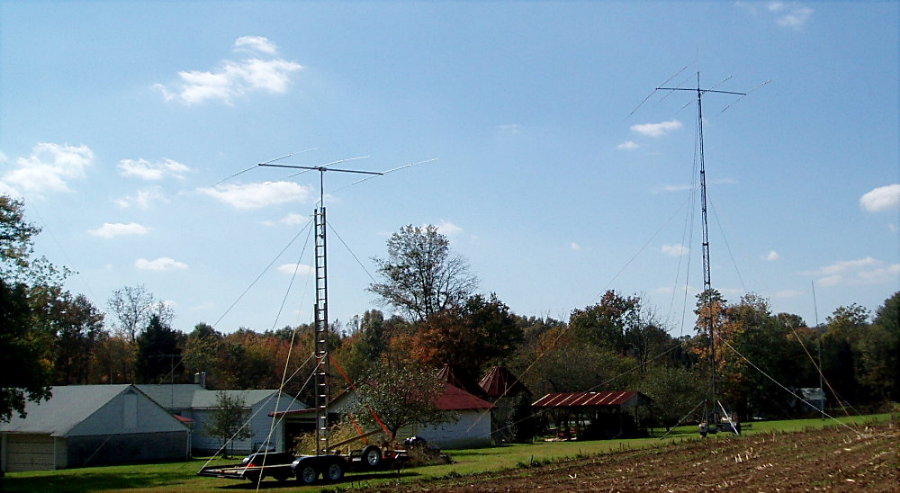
(457, 399)
(613, 398)
(592, 415)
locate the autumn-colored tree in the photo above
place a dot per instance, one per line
(469, 337)
(561, 363)
(113, 359)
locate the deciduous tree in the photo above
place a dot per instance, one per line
(401, 396)
(420, 276)
(469, 337)
(229, 421)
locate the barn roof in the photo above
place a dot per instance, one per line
(589, 399)
(500, 382)
(457, 399)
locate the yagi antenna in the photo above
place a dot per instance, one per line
(322, 168)
(267, 162)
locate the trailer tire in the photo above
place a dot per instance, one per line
(334, 472)
(308, 474)
(371, 457)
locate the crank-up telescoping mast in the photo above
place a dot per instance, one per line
(320, 309)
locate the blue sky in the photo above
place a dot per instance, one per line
(122, 123)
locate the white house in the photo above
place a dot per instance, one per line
(472, 429)
(196, 403)
(88, 425)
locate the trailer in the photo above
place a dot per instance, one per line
(307, 469)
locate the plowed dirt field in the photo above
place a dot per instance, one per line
(831, 459)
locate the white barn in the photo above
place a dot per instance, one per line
(89, 425)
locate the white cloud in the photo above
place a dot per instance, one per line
(447, 228)
(301, 269)
(656, 129)
(773, 256)
(790, 14)
(234, 78)
(161, 264)
(146, 170)
(509, 129)
(111, 230)
(575, 246)
(255, 43)
(48, 168)
(886, 198)
(258, 195)
(786, 14)
(143, 199)
(292, 219)
(672, 188)
(628, 145)
(866, 270)
(684, 187)
(675, 250)
(788, 293)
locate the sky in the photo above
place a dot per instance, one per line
(530, 133)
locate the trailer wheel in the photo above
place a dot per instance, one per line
(254, 477)
(371, 457)
(308, 475)
(334, 472)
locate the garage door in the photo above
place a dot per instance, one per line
(29, 452)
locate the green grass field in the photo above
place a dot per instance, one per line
(181, 476)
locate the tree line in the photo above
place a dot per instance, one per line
(438, 319)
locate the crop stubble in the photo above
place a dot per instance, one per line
(830, 459)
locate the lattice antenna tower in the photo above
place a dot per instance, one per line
(320, 309)
(707, 281)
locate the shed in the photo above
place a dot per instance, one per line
(91, 425)
(589, 415)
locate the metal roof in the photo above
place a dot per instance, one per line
(500, 382)
(586, 399)
(193, 396)
(72, 405)
(457, 399)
